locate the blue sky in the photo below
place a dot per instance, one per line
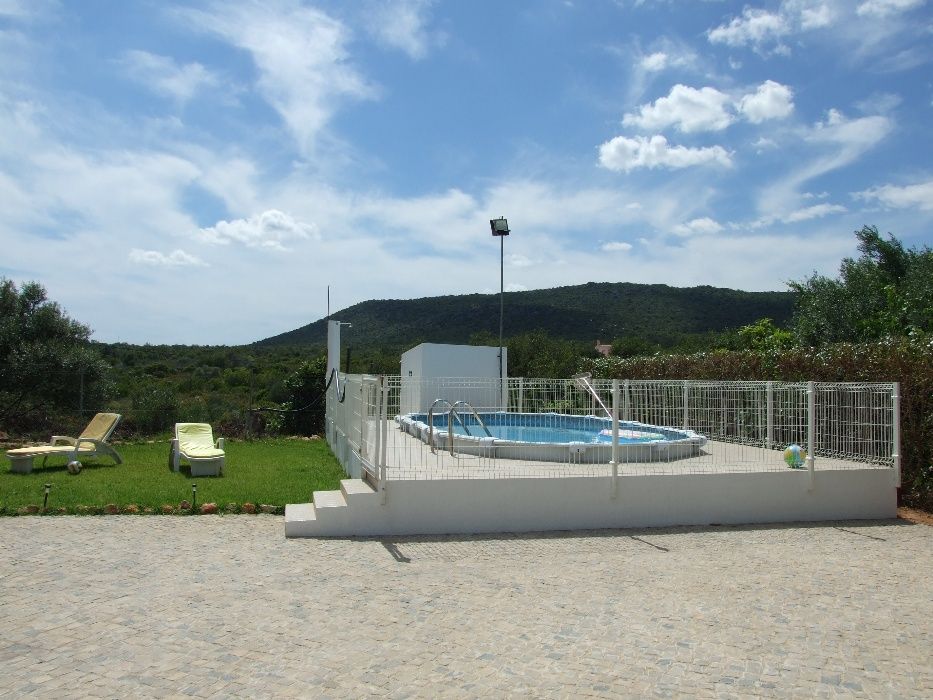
(200, 172)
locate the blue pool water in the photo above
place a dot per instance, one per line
(548, 428)
(524, 433)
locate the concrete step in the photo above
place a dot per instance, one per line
(355, 487)
(300, 520)
(329, 499)
(333, 513)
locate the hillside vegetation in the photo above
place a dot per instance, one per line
(656, 313)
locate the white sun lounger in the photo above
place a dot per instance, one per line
(194, 442)
(90, 443)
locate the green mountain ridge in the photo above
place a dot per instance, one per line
(586, 312)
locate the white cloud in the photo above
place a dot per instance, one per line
(686, 108)
(886, 8)
(400, 25)
(918, 196)
(165, 76)
(516, 287)
(27, 9)
(764, 144)
(271, 229)
(707, 109)
(817, 211)
(704, 225)
(871, 29)
(852, 134)
(831, 145)
(664, 54)
(654, 62)
(816, 16)
(754, 27)
(519, 261)
(616, 247)
(177, 258)
(771, 101)
(301, 55)
(625, 154)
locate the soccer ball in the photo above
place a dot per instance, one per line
(795, 456)
(74, 467)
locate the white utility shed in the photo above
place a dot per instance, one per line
(433, 371)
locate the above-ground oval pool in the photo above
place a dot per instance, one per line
(551, 437)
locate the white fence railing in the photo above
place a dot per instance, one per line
(747, 426)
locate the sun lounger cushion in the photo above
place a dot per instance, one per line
(196, 441)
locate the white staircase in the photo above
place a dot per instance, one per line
(333, 513)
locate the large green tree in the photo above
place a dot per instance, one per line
(887, 291)
(47, 364)
(302, 398)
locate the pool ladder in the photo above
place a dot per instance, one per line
(582, 380)
(451, 414)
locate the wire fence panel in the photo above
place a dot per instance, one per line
(853, 422)
(467, 428)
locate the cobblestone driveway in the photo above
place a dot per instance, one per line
(216, 606)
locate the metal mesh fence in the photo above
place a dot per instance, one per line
(401, 428)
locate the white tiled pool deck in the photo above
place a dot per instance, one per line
(408, 457)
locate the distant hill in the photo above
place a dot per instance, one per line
(606, 311)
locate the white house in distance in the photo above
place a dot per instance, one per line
(432, 371)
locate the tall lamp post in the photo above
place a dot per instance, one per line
(500, 228)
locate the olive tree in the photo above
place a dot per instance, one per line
(47, 363)
(887, 291)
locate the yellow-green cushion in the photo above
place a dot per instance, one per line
(52, 450)
(196, 440)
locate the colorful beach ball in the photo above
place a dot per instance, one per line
(795, 456)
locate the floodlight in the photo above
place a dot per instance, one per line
(500, 226)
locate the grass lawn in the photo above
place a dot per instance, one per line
(271, 472)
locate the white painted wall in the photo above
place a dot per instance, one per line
(333, 346)
(529, 505)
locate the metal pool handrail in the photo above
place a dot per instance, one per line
(450, 431)
(582, 380)
(451, 414)
(475, 415)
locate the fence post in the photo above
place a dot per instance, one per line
(521, 394)
(896, 433)
(811, 430)
(722, 412)
(769, 440)
(384, 422)
(626, 403)
(615, 438)
(364, 413)
(686, 403)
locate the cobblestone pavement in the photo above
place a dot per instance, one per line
(221, 606)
